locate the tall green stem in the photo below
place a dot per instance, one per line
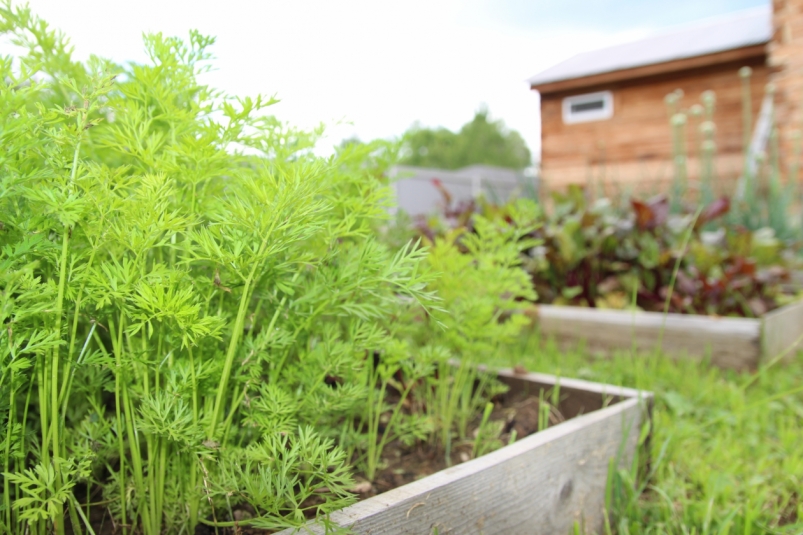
(41, 377)
(54, 362)
(7, 453)
(234, 342)
(684, 246)
(66, 382)
(194, 498)
(54, 369)
(123, 400)
(118, 386)
(386, 435)
(373, 414)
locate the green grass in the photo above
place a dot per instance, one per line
(727, 448)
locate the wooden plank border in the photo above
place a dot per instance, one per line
(732, 343)
(542, 484)
(782, 332)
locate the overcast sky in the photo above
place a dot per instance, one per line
(380, 65)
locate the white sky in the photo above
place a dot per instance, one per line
(378, 64)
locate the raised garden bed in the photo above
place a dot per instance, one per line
(733, 343)
(548, 482)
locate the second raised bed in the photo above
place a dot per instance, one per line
(734, 343)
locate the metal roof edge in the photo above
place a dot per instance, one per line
(538, 79)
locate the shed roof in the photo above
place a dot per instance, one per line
(738, 30)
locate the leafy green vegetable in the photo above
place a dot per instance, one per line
(592, 254)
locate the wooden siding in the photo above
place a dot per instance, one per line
(635, 145)
(786, 61)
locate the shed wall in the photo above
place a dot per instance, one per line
(634, 147)
(786, 61)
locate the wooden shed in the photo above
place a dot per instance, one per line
(604, 118)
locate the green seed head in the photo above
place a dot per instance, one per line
(679, 119)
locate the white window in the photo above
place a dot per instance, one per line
(588, 107)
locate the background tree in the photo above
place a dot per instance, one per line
(480, 141)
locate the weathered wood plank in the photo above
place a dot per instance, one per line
(541, 484)
(643, 174)
(782, 331)
(731, 342)
(577, 396)
(579, 386)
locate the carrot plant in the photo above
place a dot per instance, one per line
(430, 385)
(481, 287)
(189, 296)
(394, 370)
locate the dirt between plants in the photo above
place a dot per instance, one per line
(405, 464)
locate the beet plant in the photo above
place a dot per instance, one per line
(595, 254)
(190, 298)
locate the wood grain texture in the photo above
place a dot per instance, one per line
(642, 178)
(576, 397)
(782, 331)
(542, 484)
(786, 60)
(599, 391)
(639, 131)
(733, 343)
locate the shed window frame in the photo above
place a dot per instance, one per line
(605, 112)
